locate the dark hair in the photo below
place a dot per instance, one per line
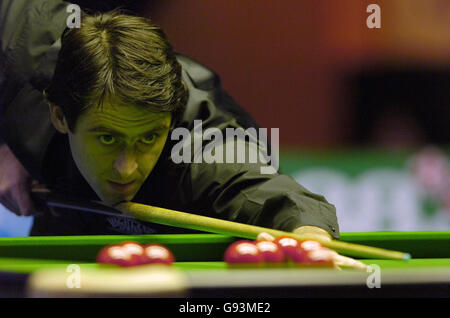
(115, 54)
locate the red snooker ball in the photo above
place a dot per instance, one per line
(113, 254)
(319, 257)
(134, 252)
(310, 245)
(243, 252)
(157, 254)
(291, 248)
(271, 252)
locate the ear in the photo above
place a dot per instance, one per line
(58, 119)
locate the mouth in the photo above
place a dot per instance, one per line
(122, 187)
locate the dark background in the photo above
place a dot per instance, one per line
(314, 70)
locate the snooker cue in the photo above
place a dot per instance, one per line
(197, 222)
(202, 223)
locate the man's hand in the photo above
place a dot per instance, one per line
(15, 184)
(313, 232)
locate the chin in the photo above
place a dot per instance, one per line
(111, 200)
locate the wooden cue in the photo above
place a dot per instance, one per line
(202, 223)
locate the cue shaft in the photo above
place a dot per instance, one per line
(92, 209)
(202, 223)
(54, 200)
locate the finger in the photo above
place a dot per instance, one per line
(344, 261)
(317, 237)
(39, 207)
(38, 187)
(10, 206)
(263, 236)
(22, 196)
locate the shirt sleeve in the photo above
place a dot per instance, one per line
(240, 192)
(29, 46)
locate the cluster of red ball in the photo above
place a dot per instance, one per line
(283, 249)
(132, 253)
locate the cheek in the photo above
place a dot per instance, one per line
(89, 162)
(148, 160)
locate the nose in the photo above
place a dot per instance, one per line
(126, 164)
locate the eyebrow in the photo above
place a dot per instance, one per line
(120, 134)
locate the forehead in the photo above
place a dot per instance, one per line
(121, 116)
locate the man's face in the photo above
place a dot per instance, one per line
(117, 146)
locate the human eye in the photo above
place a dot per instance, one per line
(107, 140)
(150, 139)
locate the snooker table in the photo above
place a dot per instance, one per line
(204, 274)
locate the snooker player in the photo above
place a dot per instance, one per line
(117, 92)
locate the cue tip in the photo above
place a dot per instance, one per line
(406, 257)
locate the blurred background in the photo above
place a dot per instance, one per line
(363, 114)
